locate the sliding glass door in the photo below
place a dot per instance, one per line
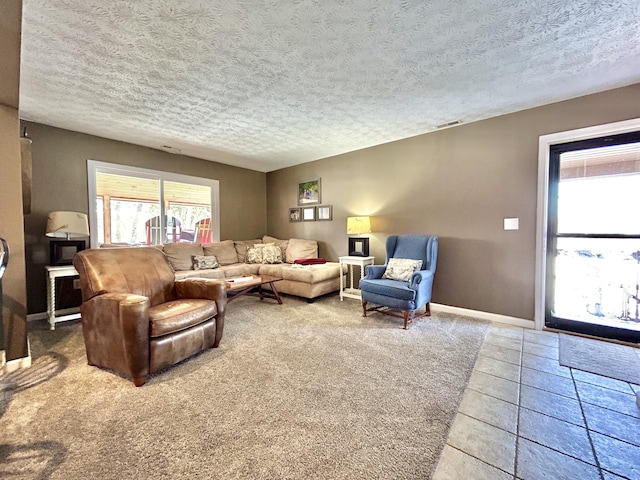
(593, 243)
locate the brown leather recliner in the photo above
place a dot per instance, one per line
(137, 319)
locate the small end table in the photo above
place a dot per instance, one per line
(54, 272)
(362, 262)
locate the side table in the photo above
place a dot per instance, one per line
(362, 262)
(54, 272)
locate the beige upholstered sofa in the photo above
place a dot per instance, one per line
(307, 281)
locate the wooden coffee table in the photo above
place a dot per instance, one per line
(237, 289)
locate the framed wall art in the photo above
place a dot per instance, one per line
(358, 246)
(309, 192)
(295, 215)
(308, 214)
(324, 212)
(61, 252)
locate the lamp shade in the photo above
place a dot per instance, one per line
(357, 225)
(67, 225)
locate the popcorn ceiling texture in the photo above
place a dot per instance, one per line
(269, 84)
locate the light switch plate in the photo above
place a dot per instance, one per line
(511, 223)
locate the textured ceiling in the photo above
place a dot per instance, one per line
(269, 84)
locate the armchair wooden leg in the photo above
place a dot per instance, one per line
(428, 308)
(405, 315)
(364, 308)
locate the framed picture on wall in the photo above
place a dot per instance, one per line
(309, 192)
(324, 212)
(295, 215)
(308, 214)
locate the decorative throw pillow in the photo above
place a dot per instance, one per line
(242, 246)
(204, 262)
(264, 253)
(271, 254)
(254, 254)
(401, 268)
(278, 243)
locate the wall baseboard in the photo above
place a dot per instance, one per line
(45, 316)
(32, 317)
(18, 363)
(438, 307)
(492, 317)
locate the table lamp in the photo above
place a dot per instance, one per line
(358, 246)
(66, 225)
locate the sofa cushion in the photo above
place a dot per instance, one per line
(171, 317)
(401, 268)
(279, 243)
(204, 262)
(224, 251)
(274, 270)
(308, 273)
(239, 269)
(179, 254)
(242, 246)
(301, 248)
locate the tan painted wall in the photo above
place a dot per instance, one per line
(60, 183)
(10, 30)
(459, 184)
(14, 313)
(14, 301)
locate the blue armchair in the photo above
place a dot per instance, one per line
(406, 290)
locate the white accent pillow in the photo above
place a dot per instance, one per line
(402, 268)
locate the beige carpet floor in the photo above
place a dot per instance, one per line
(295, 391)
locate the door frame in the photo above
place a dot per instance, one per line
(544, 145)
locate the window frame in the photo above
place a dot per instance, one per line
(545, 143)
(95, 166)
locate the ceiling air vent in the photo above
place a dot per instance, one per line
(449, 124)
(170, 149)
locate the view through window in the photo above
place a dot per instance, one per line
(597, 260)
(133, 206)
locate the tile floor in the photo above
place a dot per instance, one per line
(524, 416)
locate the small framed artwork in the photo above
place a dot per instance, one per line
(359, 246)
(324, 212)
(61, 252)
(309, 192)
(295, 215)
(308, 214)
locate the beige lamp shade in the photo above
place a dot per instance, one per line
(358, 225)
(67, 225)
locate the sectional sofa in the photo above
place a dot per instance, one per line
(234, 258)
